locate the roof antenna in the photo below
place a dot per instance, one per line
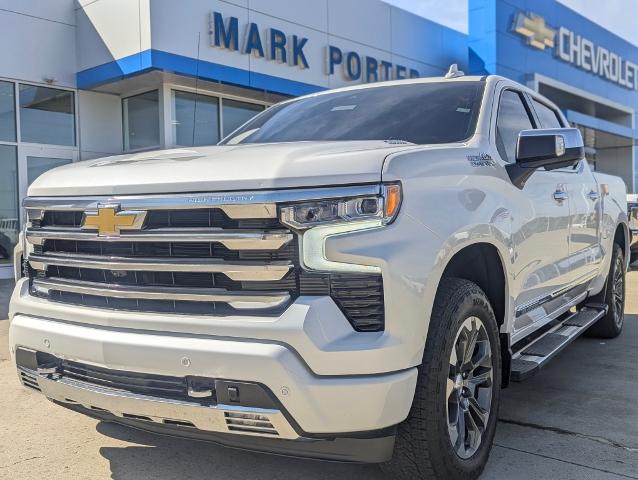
(199, 37)
(454, 72)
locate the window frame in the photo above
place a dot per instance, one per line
(172, 92)
(556, 112)
(18, 118)
(22, 147)
(169, 88)
(530, 113)
(16, 149)
(16, 125)
(578, 168)
(125, 121)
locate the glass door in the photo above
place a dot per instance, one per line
(33, 161)
(9, 207)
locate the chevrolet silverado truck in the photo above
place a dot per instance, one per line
(353, 275)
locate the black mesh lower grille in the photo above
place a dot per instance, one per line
(142, 383)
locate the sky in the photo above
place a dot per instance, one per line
(618, 16)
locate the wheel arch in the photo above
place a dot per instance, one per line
(622, 238)
(483, 263)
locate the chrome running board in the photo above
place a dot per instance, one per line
(529, 359)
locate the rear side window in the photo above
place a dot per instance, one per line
(512, 118)
(547, 117)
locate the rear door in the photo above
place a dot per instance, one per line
(584, 204)
(541, 227)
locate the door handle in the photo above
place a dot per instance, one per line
(593, 195)
(560, 196)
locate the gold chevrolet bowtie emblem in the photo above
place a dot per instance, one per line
(109, 221)
(533, 27)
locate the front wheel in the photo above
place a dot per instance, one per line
(450, 428)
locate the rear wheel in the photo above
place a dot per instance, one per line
(449, 431)
(613, 295)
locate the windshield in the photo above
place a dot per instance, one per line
(420, 113)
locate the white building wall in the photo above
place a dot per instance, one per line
(100, 129)
(38, 41)
(369, 27)
(112, 29)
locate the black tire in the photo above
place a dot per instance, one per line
(423, 448)
(613, 295)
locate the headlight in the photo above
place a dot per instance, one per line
(383, 207)
(320, 219)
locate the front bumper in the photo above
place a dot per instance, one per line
(306, 407)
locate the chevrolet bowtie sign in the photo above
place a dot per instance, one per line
(109, 221)
(533, 27)
(577, 50)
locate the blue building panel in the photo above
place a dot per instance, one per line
(496, 48)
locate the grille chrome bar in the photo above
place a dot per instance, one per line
(231, 239)
(239, 271)
(236, 212)
(239, 201)
(238, 300)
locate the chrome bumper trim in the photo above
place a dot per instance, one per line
(238, 300)
(239, 271)
(210, 418)
(233, 240)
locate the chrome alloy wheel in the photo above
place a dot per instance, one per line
(618, 292)
(469, 387)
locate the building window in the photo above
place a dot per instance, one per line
(9, 223)
(7, 112)
(47, 115)
(195, 119)
(36, 166)
(141, 121)
(236, 113)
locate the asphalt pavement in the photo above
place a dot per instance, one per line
(577, 419)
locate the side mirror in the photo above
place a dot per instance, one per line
(551, 148)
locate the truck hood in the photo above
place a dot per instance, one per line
(221, 168)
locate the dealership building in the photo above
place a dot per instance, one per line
(81, 79)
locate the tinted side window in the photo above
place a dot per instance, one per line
(547, 117)
(512, 118)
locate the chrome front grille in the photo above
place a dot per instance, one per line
(193, 254)
(185, 258)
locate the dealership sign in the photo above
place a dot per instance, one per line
(275, 46)
(577, 50)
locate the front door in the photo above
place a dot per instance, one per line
(540, 239)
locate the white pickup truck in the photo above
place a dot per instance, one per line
(353, 275)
